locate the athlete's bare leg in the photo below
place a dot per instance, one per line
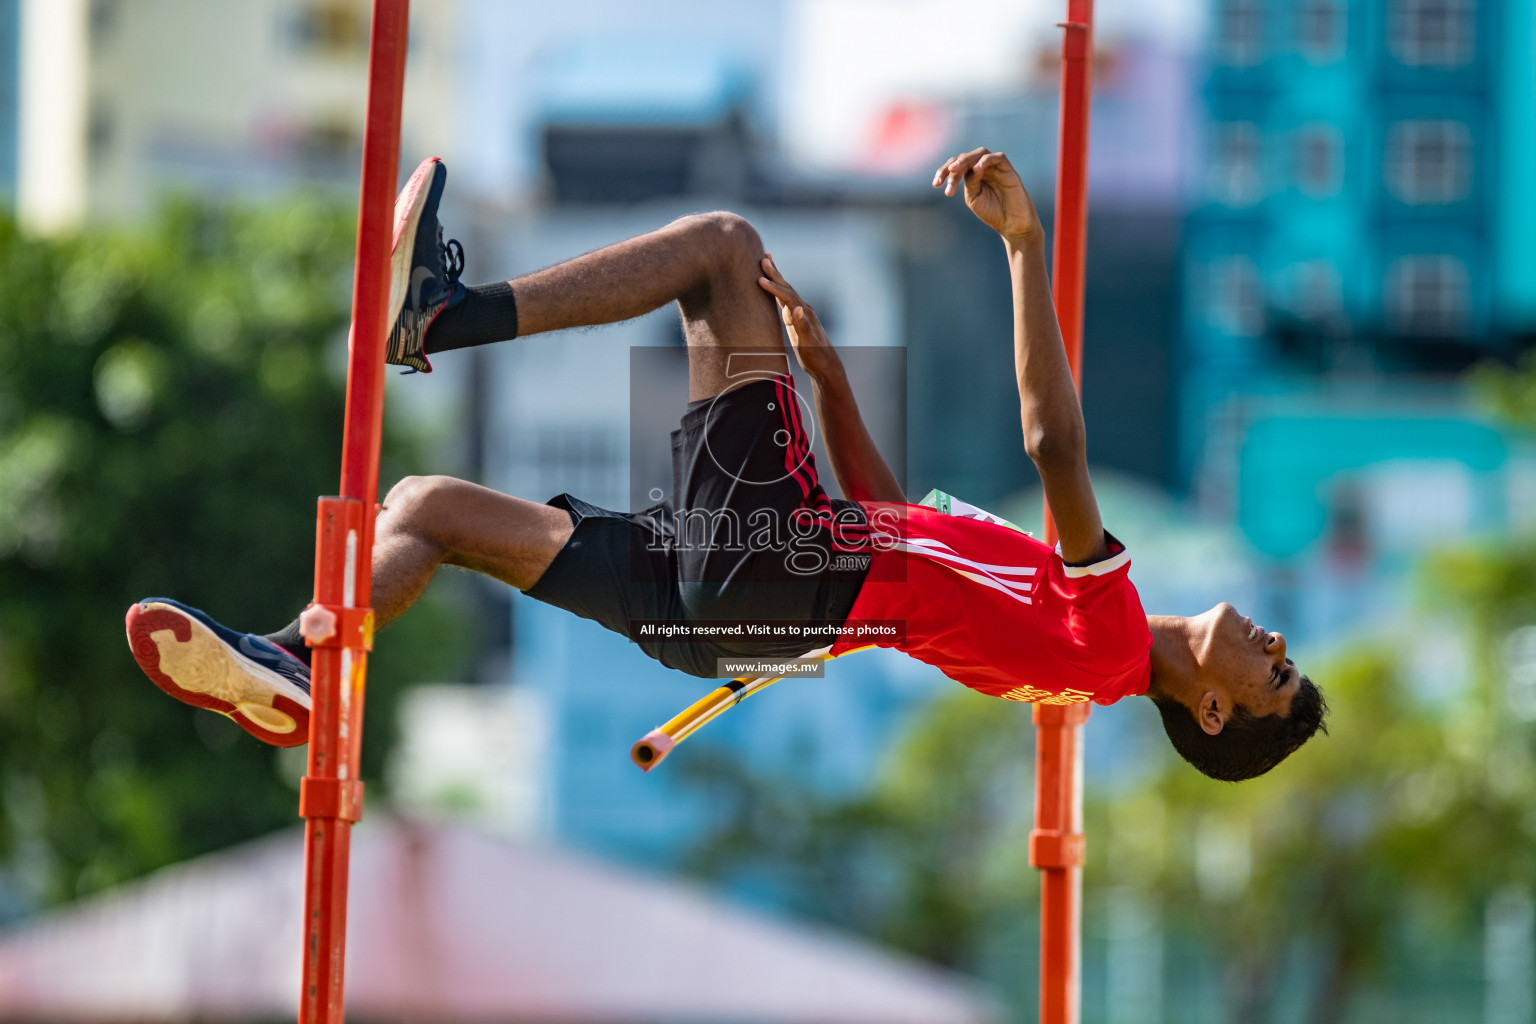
(428, 521)
(707, 263)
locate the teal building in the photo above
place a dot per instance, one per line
(1362, 229)
(1363, 194)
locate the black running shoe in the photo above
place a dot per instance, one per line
(423, 270)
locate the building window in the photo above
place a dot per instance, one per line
(1320, 30)
(103, 22)
(1317, 291)
(1428, 295)
(1429, 162)
(1237, 164)
(581, 460)
(325, 145)
(1240, 33)
(1319, 159)
(330, 28)
(1235, 297)
(1433, 33)
(99, 132)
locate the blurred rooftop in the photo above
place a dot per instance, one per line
(445, 924)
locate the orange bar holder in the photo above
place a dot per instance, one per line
(1052, 848)
(328, 625)
(331, 798)
(339, 624)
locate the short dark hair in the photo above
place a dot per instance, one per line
(1246, 747)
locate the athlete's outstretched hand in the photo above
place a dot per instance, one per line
(812, 348)
(993, 191)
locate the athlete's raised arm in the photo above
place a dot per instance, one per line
(1054, 435)
(861, 471)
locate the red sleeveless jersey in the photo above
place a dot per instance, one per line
(1000, 612)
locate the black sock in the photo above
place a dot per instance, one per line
(292, 641)
(487, 313)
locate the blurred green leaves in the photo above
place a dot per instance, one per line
(1403, 822)
(1510, 393)
(129, 377)
(167, 417)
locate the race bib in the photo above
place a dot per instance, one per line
(953, 506)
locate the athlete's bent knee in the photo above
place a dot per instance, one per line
(417, 502)
(726, 236)
(407, 494)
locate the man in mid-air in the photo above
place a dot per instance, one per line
(749, 536)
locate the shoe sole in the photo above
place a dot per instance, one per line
(187, 660)
(408, 207)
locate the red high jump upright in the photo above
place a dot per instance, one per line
(339, 625)
(1056, 843)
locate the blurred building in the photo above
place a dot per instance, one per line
(854, 114)
(120, 102)
(1357, 239)
(1361, 200)
(520, 63)
(473, 753)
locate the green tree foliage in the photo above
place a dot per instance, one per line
(1401, 823)
(1510, 393)
(170, 406)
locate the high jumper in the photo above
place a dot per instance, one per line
(748, 534)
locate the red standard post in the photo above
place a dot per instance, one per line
(339, 625)
(1056, 843)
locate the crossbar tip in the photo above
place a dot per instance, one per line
(651, 749)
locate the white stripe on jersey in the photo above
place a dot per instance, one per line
(938, 545)
(988, 581)
(947, 558)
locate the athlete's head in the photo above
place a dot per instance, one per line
(1232, 703)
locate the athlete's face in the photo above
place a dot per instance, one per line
(1244, 663)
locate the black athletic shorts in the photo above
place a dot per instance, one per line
(748, 536)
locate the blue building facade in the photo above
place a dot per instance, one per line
(1361, 197)
(1359, 235)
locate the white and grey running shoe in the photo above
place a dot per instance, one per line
(423, 270)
